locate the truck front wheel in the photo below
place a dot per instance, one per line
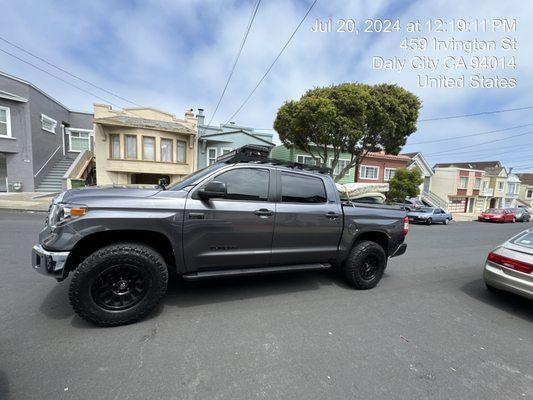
(118, 284)
(365, 265)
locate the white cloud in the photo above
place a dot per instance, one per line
(177, 54)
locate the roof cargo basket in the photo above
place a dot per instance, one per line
(260, 154)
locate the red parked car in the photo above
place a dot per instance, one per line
(497, 215)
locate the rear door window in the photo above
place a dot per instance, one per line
(302, 189)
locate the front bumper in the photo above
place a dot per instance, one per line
(49, 263)
(510, 281)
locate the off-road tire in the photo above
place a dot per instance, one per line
(353, 268)
(140, 256)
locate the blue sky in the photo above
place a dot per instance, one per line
(177, 54)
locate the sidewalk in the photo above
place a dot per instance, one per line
(26, 201)
(464, 216)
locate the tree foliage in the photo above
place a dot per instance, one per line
(353, 118)
(405, 183)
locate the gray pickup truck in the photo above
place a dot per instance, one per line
(246, 214)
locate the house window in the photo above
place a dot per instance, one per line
(5, 122)
(148, 148)
(48, 124)
(500, 186)
(226, 150)
(166, 150)
(485, 185)
(389, 173)
(463, 182)
(307, 160)
(211, 155)
(131, 146)
(477, 183)
(79, 140)
(368, 172)
(114, 143)
(529, 194)
(341, 164)
(181, 154)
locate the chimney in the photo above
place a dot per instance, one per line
(200, 116)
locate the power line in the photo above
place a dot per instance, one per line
(478, 144)
(471, 135)
(476, 114)
(58, 77)
(478, 151)
(273, 62)
(247, 31)
(67, 72)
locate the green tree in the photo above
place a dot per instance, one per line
(405, 183)
(353, 118)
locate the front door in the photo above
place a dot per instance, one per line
(308, 223)
(235, 231)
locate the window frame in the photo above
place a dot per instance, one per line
(184, 151)
(335, 172)
(502, 184)
(477, 183)
(228, 149)
(50, 120)
(385, 173)
(9, 134)
(460, 186)
(161, 140)
(271, 178)
(142, 147)
(126, 136)
(76, 130)
(304, 156)
(305, 176)
(369, 166)
(207, 158)
(531, 194)
(111, 135)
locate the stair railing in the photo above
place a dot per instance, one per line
(47, 161)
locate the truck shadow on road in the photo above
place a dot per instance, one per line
(510, 303)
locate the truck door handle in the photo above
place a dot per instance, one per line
(263, 212)
(193, 215)
(332, 215)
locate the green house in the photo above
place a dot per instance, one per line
(294, 154)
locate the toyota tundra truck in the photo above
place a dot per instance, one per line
(246, 214)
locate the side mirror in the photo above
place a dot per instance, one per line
(212, 190)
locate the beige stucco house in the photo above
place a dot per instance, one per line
(142, 145)
(525, 195)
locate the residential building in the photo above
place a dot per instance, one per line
(295, 154)
(458, 185)
(525, 194)
(380, 167)
(419, 162)
(142, 145)
(214, 141)
(39, 137)
(513, 190)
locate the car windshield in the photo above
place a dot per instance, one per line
(525, 239)
(191, 179)
(494, 211)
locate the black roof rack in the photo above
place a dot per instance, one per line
(260, 154)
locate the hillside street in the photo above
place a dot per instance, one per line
(429, 330)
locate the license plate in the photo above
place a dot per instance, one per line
(411, 219)
(487, 217)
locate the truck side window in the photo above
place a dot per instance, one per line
(246, 183)
(302, 189)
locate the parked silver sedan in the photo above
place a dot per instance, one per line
(429, 215)
(509, 266)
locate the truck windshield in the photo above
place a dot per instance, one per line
(191, 179)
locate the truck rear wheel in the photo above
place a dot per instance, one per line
(365, 265)
(118, 284)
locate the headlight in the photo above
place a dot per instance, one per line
(60, 213)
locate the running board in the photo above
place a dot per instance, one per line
(254, 271)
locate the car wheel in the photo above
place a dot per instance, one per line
(118, 284)
(446, 221)
(365, 265)
(428, 221)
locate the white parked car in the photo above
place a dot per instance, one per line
(509, 266)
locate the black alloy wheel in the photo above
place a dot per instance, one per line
(120, 287)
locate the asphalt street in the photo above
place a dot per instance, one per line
(429, 330)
